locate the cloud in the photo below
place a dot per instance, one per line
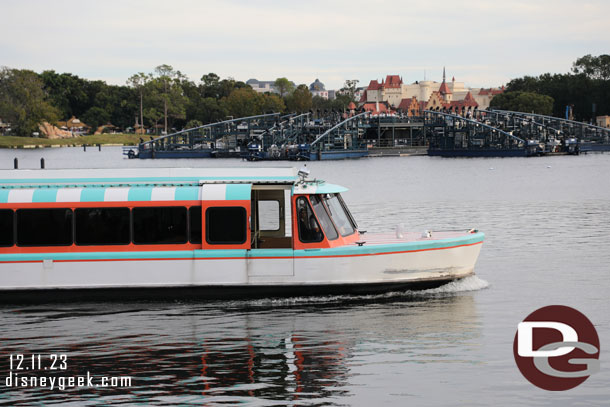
(303, 40)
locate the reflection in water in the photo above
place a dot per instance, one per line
(288, 352)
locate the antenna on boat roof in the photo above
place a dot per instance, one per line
(303, 173)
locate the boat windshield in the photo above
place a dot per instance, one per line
(339, 214)
(327, 224)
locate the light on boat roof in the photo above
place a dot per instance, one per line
(304, 173)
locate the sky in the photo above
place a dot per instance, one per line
(483, 43)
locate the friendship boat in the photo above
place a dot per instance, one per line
(204, 233)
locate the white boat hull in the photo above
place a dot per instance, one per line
(382, 265)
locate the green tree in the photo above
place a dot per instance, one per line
(349, 89)
(283, 86)
(23, 101)
(300, 100)
(594, 67)
(169, 91)
(272, 104)
(210, 86)
(138, 82)
(192, 124)
(243, 102)
(528, 102)
(95, 117)
(66, 92)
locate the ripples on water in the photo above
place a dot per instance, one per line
(546, 242)
(288, 351)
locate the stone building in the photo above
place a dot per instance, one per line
(429, 94)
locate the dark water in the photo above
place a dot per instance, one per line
(547, 222)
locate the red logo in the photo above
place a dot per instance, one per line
(556, 348)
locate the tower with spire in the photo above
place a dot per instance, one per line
(444, 89)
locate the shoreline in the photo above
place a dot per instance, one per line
(119, 139)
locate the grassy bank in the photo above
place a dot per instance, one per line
(31, 142)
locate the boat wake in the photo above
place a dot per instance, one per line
(471, 283)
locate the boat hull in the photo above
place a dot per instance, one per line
(210, 274)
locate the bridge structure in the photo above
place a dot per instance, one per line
(451, 133)
(587, 136)
(223, 139)
(507, 133)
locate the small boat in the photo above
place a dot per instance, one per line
(204, 234)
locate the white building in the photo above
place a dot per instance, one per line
(262, 86)
(317, 89)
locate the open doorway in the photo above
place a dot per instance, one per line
(271, 223)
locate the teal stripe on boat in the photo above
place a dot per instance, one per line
(92, 195)
(139, 194)
(4, 195)
(255, 253)
(161, 255)
(238, 192)
(45, 195)
(351, 250)
(187, 194)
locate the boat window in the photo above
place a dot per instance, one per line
(7, 231)
(309, 229)
(226, 225)
(101, 226)
(327, 224)
(44, 227)
(349, 214)
(195, 224)
(269, 215)
(338, 215)
(159, 225)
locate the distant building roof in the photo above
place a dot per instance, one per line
(372, 107)
(393, 81)
(444, 89)
(408, 104)
(317, 85)
(374, 85)
(73, 122)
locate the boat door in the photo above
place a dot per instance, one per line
(271, 252)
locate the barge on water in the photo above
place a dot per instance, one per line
(203, 233)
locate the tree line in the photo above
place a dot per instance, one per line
(164, 98)
(586, 90)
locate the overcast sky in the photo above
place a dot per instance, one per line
(481, 42)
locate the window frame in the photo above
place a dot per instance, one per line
(133, 225)
(16, 223)
(13, 228)
(207, 225)
(130, 226)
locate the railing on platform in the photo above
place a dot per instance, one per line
(566, 128)
(452, 132)
(221, 136)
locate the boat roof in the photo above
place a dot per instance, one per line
(144, 177)
(144, 183)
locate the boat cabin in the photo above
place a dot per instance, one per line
(56, 211)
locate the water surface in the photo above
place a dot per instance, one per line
(546, 222)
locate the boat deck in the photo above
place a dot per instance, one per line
(391, 238)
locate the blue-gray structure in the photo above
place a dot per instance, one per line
(335, 135)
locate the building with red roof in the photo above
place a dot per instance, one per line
(393, 91)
